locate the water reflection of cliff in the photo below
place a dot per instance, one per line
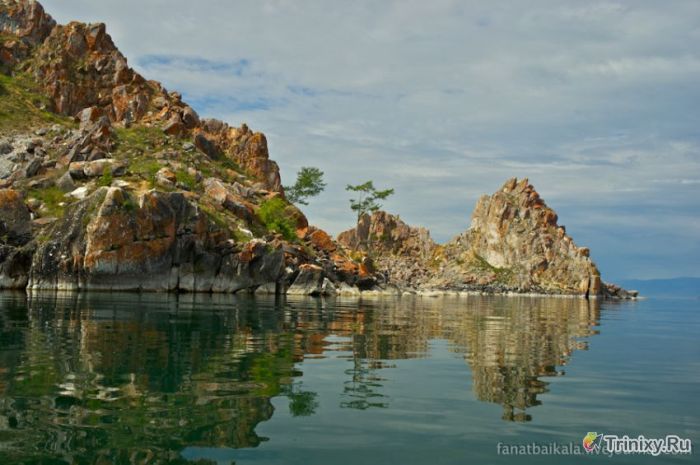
(508, 342)
(129, 378)
(90, 380)
(509, 349)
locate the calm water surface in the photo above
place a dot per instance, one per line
(120, 378)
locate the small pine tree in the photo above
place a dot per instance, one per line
(367, 200)
(309, 184)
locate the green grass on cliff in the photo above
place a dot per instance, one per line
(186, 179)
(53, 198)
(139, 144)
(503, 275)
(140, 140)
(275, 217)
(21, 106)
(226, 222)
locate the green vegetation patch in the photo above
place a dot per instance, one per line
(145, 168)
(106, 179)
(503, 275)
(227, 163)
(142, 139)
(185, 178)
(217, 217)
(274, 215)
(53, 198)
(226, 222)
(21, 106)
(129, 204)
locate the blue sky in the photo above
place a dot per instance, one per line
(595, 102)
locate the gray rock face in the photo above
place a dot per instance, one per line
(33, 167)
(207, 147)
(15, 226)
(311, 280)
(228, 197)
(26, 20)
(15, 233)
(5, 147)
(15, 263)
(156, 242)
(65, 182)
(21, 157)
(7, 167)
(514, 244)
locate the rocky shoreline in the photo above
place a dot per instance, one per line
(110, 182)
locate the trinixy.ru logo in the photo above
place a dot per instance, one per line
(611, 444)
(591, 442)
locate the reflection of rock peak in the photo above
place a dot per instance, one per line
(509, 350)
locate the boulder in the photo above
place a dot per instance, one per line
(166, 178)
(80, 193)
(190, 118)
(206, 146)
(33, 167)
(223, 195)
(5, 147)
(174, 126)
(88, 117)
(65, 182)
(310, 281)
(320, 240)
(96, 168)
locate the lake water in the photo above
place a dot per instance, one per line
(125, 378)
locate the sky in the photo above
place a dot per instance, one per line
(596, 102)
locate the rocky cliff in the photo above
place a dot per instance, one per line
(514, 244)
(403, 254)
(514, 241)
(108, 181)
(77, 66)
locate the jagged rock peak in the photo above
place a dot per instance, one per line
(78, 66)
(383, 232)
(515, 236)
(514, 244)
(399, 251)
(23, 25)
(25, 19)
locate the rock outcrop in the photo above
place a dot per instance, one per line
(26, 25)
(401, 253)
(141, 194)
(79, 67)
(515, 241)
(109, 181)
(156, 242)
(15, 235)
(514, 245)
